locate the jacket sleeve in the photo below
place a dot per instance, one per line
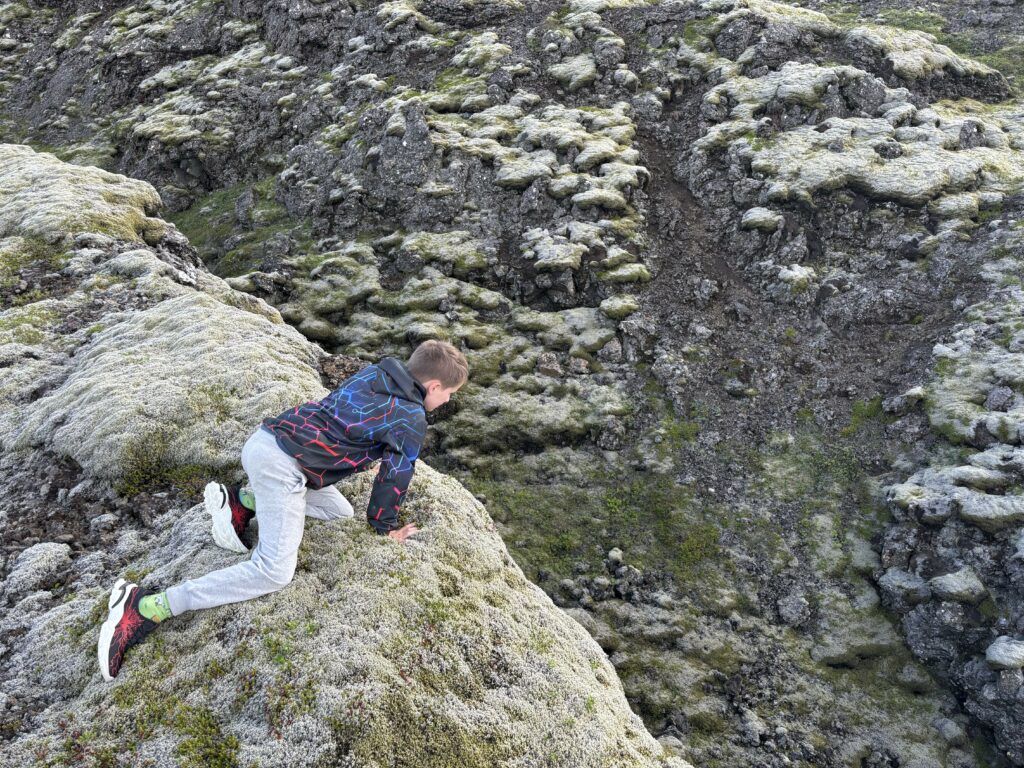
(402, 444)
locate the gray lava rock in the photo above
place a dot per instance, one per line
(950, 731)
(963, 586)
(794, 610)
(901, 589)
(999, 398)
(1005, 653)
(38, 567)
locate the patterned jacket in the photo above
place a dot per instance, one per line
(375, 414)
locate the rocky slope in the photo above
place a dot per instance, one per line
(691, 248)
(439, 652)
(952, 558)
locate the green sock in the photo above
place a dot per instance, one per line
(155, 607)
(247, 498)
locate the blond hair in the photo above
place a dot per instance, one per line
(439, 360)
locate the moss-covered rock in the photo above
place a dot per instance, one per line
(127, 406)
(42, 197)
(138, 378)
(575, 72)
(437, 651)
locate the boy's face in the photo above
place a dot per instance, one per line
(437, 394)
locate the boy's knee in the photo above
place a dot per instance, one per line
(282, 579)
(277, 580)
(276, 576)
(344, 508)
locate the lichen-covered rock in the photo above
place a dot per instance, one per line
(850, 632)
(191, 366)
(900, 588)
(36, 568)
(437, 651)
(48, 199)
(576, 72)
(128, 403)
(1005, 653)
(963, 586)
(963, 512)
(912, 54)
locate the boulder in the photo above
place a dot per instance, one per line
(963, 586)
(1005, 653)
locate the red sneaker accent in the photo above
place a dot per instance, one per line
(129, 630)
(240, 514)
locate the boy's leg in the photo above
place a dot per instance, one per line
(280, 489)
(327, 504)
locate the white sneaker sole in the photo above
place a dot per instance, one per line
(215, 498)
(115, 604)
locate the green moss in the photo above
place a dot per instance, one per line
(210, 221)
(280, 650)
(681, 431)
(924, 21)
(404, 730)
(990, 609)
(25, 325)
(28, 252)
(136, 575)
(453, 78)
(700, 544)
(823, 475)
(145, 465)
(336, 136)
(549, 548)
(288, 699)
(211, 402)
(844, 15)
(707, 723)
(947, 430)
(213, 670)
(860, 412)
(697, 30)
(204, 745)
(944, 367)
(145, 709)
(1010, 61)
(78, 747)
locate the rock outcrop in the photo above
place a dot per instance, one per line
(958, 521)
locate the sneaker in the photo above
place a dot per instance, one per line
(124, 626)
(230, 518)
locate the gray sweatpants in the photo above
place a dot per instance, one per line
(282, 503)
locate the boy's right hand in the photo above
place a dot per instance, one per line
(404, 533)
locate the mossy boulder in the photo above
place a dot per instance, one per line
(45, 198)
(189, 376)
(436, 652)
(174, 368)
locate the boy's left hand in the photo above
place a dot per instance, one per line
(404, 533)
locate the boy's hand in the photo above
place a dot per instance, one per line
(404, 533)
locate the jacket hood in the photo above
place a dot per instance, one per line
(398, 381)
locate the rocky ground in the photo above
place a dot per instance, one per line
(699, 254)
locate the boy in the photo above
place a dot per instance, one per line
(292, 461)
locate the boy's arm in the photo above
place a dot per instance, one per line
(402, 447)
